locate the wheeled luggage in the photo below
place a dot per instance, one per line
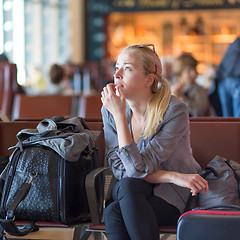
(212, 223)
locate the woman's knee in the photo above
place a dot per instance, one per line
(132, 186)
(112, 210)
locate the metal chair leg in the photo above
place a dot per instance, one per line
(165, 236)
(80, 233)
(98, 236)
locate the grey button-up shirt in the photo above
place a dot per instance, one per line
(168, 149)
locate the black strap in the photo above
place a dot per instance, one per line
(2, 233)
(20, 195)
(8, 224)
(11, 228)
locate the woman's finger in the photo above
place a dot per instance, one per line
(120, 91)
(111, 88)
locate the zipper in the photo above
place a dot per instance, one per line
(60, 205)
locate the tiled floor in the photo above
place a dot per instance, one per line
(48, 233)
(60, 234)
(57, 234)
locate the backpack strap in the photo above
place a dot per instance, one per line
(235, 175)
(8, 224)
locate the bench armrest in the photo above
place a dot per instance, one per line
(95, 185)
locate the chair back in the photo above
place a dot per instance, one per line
(212, 138)
(90, 107)
(42, 106)
(8, 86)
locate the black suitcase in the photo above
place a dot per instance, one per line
(212, 223)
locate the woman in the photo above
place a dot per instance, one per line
(147, 139)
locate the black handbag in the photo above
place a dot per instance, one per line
(41, 185)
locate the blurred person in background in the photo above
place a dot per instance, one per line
(59, 81)
(186, 87)
(35, 83)
(224, 94)
(68, 67)
(206, 79)
(167, 69)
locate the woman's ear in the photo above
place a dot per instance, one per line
(150, 80)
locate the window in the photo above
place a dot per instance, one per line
(34, 34)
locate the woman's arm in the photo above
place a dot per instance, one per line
(192, 181)
(116, 105)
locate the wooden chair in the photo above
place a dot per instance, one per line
(90, 107)
(42, 106)
(8, 87)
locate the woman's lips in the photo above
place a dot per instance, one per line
(118, 85)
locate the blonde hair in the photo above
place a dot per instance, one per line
(161, 92)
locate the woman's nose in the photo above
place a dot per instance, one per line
(118, 73)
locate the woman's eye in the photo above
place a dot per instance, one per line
(116, 69)
(128, 68)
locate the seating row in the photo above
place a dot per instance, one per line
(38, 107)
(9, 86)
(209, 137)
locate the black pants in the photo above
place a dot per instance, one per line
(136, 212)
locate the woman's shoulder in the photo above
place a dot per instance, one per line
(176, 107)
(176, 102)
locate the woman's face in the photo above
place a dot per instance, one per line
(130, 74)
(188, 75)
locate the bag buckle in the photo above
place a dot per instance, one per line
(12, 218)
(31, 177)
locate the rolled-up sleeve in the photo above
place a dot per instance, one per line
(138, 161)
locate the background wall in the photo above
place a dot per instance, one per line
(77, 24)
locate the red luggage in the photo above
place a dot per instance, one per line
(212, 223)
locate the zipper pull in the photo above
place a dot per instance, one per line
(31, 177)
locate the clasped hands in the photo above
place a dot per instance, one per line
(113, 98)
